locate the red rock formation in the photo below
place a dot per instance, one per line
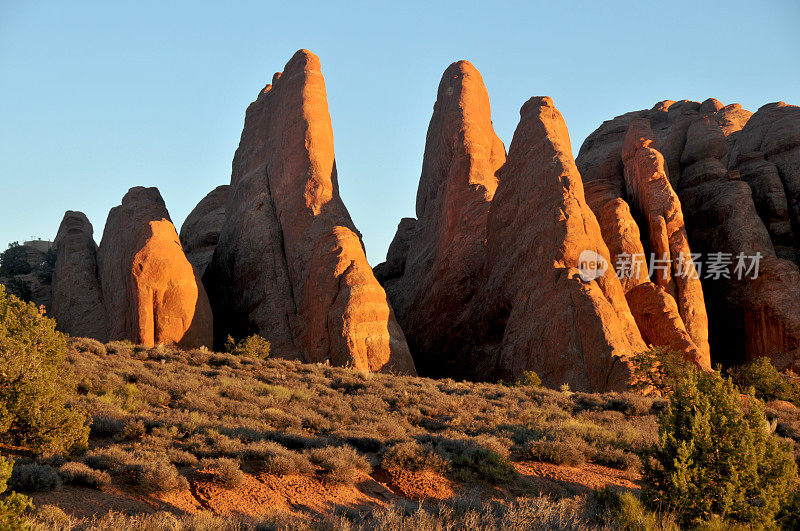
(747, 317)
(290, 264)
(151, 291)
(558, 324)
(200, 231)
(766, 152)
(78, 306)
(434, 264)
(649, 189)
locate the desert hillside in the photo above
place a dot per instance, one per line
(233, 439)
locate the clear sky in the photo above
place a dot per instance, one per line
(97, 97)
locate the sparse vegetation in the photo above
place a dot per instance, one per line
(161, 415)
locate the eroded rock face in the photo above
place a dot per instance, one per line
(556, 323)
(290, 264)
(649, 188)
(766, 153)
(434, 264)
(151, 291)
(77, 305)
(710, 161)
(200, 231)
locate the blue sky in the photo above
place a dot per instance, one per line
(96, 97)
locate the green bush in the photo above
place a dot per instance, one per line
(528, 379)
(253, 346)
(14, 261)
(34, 385)
(12, 505)
(716, 459)
(658, 370)
(767, 383)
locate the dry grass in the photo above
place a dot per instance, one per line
(159, 413)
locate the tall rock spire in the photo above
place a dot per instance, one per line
(439, 268)
(290, 264)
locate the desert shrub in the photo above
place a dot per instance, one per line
(253, 346)
(528, 379)
(157, 476)
(765, 380)
(12, 505)
(226, 472)
(658, 371)
(52, 518)
(106, 426)
(34, 477)
(412, 456)
(108, 459)
(556, 452)
(75, 473)
(86, 344)
(714, 459)
(624, 511)
(339, 464)
(181, 457)
(470, 461)
(133, 429)
(617, 458)
(34, 386)
(14, 261)
(278, 460)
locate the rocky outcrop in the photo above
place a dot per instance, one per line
(200, 231)
(550, 318)
(77, 305)
(151, 291)
(705, 154)
(672, 268)
(488, 278)
(290, 264)
(766, 153)
(434, 265)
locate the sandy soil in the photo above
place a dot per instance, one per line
(262, 494)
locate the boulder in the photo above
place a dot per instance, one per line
(290, 264)
(77, 302)
(200, 231)
(151, 292)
